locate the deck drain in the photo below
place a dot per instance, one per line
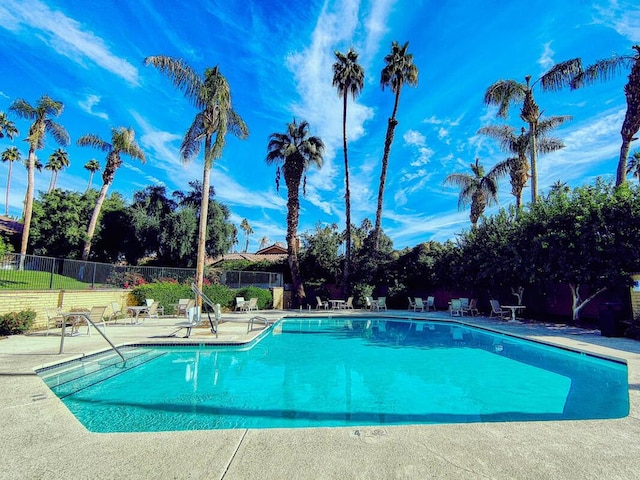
(38, 396)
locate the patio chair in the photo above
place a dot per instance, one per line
(240, 303)
(194, 318)
(321, 304)
(464, 303)
(412, 304)
(184, 304)
(497, 310)
(251, 305)
(431, 303)
(370, 303)
(455, 308)
(96, 314)
(117, 312)
(349, 303)
(472, 308)
(151, 312)
(54, 317)
(159, 308)
(382, 303)
(418, 304)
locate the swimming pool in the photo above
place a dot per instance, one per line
(324, 371)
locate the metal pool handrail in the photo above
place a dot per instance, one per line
(66, 315)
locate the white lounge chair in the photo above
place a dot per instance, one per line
(418, 304)
(370, 303)
(382, 303)
(251, 305)
(497, 310)
(431, 303)
(455, 308)
(96, 314)
(54, 317)
(194, 318)
(349, 303)
(412, 304)
(472, 308)
(183, 306)
(321, 304)
(117, 312)
(240, 303)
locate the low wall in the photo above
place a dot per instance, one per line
(40, 300)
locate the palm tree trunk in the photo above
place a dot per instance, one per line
(50, 183)
(534, 163)
(204, 213)
(94, 221)
(391, 126)
(6, 201)
(90, 179)
(347, 201)
(621, 172)
(293, 217)
(28, 206)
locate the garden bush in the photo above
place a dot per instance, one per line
(14, 323)
(265, 298)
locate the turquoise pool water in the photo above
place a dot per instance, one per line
(341, 372)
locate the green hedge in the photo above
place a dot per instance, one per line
(15, 323)
(168, 294)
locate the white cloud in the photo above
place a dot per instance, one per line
(64, 35)
(546, 59)
(418, 141)
(88, 104)
(622, 16)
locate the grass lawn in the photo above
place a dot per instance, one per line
(29, 280)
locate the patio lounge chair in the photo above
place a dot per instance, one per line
(184, 304)
(455, 308)
(382, 303)
(412, 304)
(497, 310)
(151, 312)
(418, 304)
(464, 303)
(240, 303)
(431, 303)
(96, 314)
(370, 303)
(194, 318)
(159, 310)
(321, 304)
(349, 303)
(472, 308)
(54, 317)
(251, 305)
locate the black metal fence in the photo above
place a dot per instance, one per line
(32, 272)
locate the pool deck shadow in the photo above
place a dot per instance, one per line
(42, 439)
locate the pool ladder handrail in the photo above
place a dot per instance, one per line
(86, 315)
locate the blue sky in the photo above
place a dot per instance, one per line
(277, 57)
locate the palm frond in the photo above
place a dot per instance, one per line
(23, 109)
(93, 140)
(193, 138)
(183, 77)
(503, 93)
(58, 132)
(602, 70)
(561, 75)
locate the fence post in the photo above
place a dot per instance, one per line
(93, 277)
(53, 269)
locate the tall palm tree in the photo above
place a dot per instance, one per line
(348, 78)
(399, 69)
(11, 154)
(122, 142)
(297, 151)
(58, 160)
(211, 95)
(246, 228)
(7, 127)
(93, 166)
(505, 92)
(479, 189)
(518, 166)
(42, 124)
(604, 70)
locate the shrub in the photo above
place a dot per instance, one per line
(15, 323)
(265, 299)
(361, 290)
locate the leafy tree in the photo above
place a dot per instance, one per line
(399, 69)
(58, 160)
(604, 70)
(11, 154)
(480, 189)
(42, 124)
(211, 95)
(320, 257)
(122, 142)
(634, 165)
(92, 166)
(348, 78)
(297, 151)
(505, 92)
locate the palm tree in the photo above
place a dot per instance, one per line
(348, 78)
(42, 124)
(122, 142)
(246, 228)
(93, 166)
(399, 69)
(518, 166)
(58, 160)
(11, 154)
(604, 70)
(264, 242)
(297, 151)
(480, 190)
(505, 92)
(211, 95)
(7, 127)
(634, 165)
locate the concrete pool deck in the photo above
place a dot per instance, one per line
(41, 439)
